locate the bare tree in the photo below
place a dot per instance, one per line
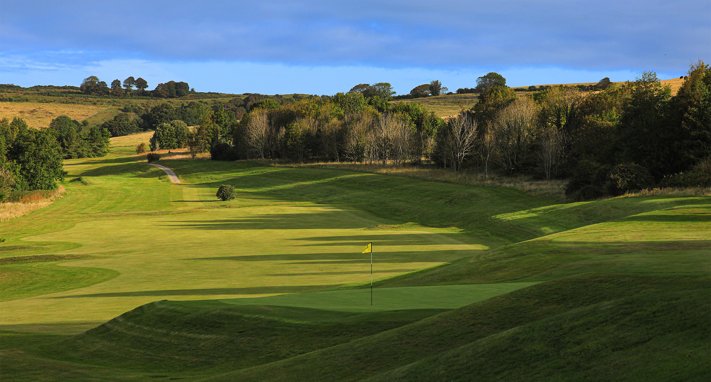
(552, 143)
(514, 132)
(356, 133)
(463, 131)
(257, 132)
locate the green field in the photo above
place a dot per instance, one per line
(130, 277)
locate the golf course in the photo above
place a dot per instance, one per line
(129, 276)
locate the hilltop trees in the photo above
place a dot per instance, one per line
(141, 85)
(171, 89)
(488, 81)
(382, 90)
(92, 85)
(128, 84)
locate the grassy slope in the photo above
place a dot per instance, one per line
(293, 230)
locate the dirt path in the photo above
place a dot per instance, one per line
(171, 174)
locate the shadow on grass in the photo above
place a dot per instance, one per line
(351, 257)
(208, 291)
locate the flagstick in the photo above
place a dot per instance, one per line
(371, 274)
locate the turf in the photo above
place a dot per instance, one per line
(472, 281)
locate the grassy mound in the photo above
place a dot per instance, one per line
(606, 319)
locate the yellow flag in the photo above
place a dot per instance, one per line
(368, 248)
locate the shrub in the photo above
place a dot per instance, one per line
(223, 151)
(141, 148)
(698, 176)
(586, 181)
(225, 192)
(152, 157)
(7, 183)
(627, 177)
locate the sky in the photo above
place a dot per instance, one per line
(324, 47)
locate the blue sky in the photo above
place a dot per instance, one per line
(322, 47)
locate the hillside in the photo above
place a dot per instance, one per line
(479, 280)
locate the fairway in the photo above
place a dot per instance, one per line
(127, 237)
(275, 280)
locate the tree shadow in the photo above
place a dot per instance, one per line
(207, 291)
(424, 255)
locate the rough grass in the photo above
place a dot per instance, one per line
(445, 106)
(29, 202)
(40, 114)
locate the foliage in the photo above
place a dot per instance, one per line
(170, 135)
(223, 151)
(38, 157)
(141, 148)
(383, 90)
(152, 157)
(626, 177)
(77, 140)
(488, 81)
(225, 192)
(122, 124)
(171, 89)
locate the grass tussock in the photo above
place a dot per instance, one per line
(28, 203)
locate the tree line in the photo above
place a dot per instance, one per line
(605, 141)
(92, 85)
(31, 159)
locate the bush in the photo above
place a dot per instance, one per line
(627, 177)
(698, 176)
(225, 192)
(152, 157)
(141, 148)
(223, 151)
(587, 181)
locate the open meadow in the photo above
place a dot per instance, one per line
(130, 277)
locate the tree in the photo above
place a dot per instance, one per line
(122, 124)
(116, 89)
(141, 85)
(461, 139)
(225, 192)
(559, 117)
(491, 101)
(488, 81)
(692, 117)
(603, 84)
(644, 134)
(171, 89)
(68, 134)
(514, 132)
(170, 135)
(90, 85)
(199, 141)
(129, 83)
(39, 158)
(257, 132)
(436, 88)
(423, 90)
(382, 90)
